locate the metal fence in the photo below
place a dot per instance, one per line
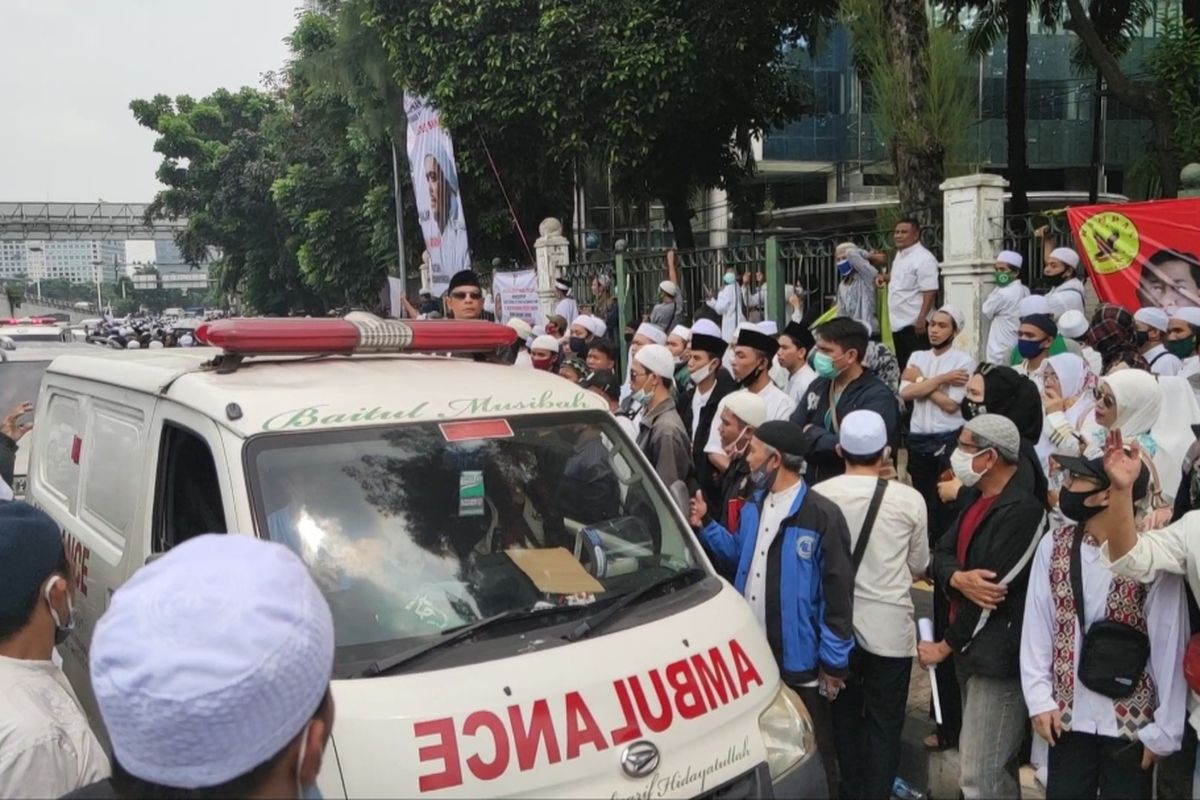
(1019, 236)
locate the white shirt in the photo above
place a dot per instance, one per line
(567, 308)
(1067, 296)
(927, 417)
(914, 270)
(779, 375)
(779, 407)
(1166, 624)
(1000, 306)
(728, 304)
(46, 746)
(799, 381)
(1037, 374)
(776, 508)
(1174, 549)
(1162, 362)
(1189, 366)
(699, 399)
(897, 551)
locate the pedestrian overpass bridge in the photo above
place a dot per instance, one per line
(73, 221)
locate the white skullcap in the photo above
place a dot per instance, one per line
(545, 342)
(1010, 257)
(954, 314)
(706, 327)
(1189, 314)
(1033, 304)
(155, 344)
(657, 359)
(683, 332)
(768, 327)
(133, 345)
(1066, 255)
(862, 433)
(653, 333)
(601, 327)
(186, 340)
(669, 287)
(590, 324)
(1154, 317)
(562, 285)
(1073, 324)
(211, 659)
(747, 406)
(523, 328)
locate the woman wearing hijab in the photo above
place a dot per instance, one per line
(1114, 335)
(1067, 401)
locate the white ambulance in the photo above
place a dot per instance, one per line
(520, 609)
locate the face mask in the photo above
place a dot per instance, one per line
(763, 478)
(844, 268)
(824, 366)
(701, 375)
(1142, 337)
(61, 632)
(971, 410)
(1029, 349)
(578, 346)
(960, 463)
(640, 398)
(750, 379)
(305, 792)
(543, 363)
(1182, 348)
(728, 279)
(738, 446)
(1072, 507)
(1055, 280)
(1003, 278)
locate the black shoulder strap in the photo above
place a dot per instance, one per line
(1154, 360)
(860, 547)
(1077, 577)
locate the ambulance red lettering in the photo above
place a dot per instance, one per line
(631, 730)
(687, 693)
(78, 555)
(717, 682)
(655, 722)
(581, 727)
(745, 668)
(446, 751)
(528, 738)
(488, 770)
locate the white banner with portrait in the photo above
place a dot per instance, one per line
(435, 184)
(516, 295)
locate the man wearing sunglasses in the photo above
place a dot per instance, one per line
(464, 298)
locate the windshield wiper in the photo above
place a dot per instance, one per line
(601, 618)
(449, 637)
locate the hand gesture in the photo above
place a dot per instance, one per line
(1052, 400)
(1048, 725)
(1122, 464)
(697, 511)
(881, 281)
(948, 490)
(13, 429)
(977, 586)
(956, 377)
(831, 685)
(794, 301)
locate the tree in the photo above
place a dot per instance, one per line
(664, 91)
(1175, 66)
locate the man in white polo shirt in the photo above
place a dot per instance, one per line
(889, 547)
(912, 289)
(1152, 324)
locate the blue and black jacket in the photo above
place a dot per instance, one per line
(810, 583)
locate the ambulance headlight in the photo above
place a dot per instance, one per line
(787, 733)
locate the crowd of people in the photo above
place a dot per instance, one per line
(1044, 494)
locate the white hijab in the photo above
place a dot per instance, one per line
(1139, 400)
(1072, 372)
(1173, 430)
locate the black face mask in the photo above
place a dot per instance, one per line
(1072, 507)
(1056, 280)
(1142, 338)
(748, 381)
(971, 409)
(578, 346)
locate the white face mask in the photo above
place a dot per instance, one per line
(701, 375)
(61, 630)
(960, 463)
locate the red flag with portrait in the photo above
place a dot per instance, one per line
(1141, 254)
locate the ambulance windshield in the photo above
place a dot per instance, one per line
(421, 528)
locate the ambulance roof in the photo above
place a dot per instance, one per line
(285, 394)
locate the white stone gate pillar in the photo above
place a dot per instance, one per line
(973, 227)
(553, 253)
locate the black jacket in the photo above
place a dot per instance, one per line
(709, 482)
(865, 392)
(8, 458)
(1006, 534)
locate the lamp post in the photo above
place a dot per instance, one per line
(40, 269)
(99, 299)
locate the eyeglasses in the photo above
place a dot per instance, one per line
(467, 295)
(1106, 400)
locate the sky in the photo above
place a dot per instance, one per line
(71, 68)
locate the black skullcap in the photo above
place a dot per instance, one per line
(605, 380)
(464, 278)
(709, 344)
(800, 335)
(748, 337)
(786, 437)
(1094, 468)
(1043, 322)
(31, 548)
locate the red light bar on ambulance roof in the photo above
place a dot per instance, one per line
(356, 333)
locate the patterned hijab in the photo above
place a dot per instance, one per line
(1114, 335)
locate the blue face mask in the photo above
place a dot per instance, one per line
(763, 478)
(824, 366)
(728, 279)
(844, 268)
(1029, 349)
